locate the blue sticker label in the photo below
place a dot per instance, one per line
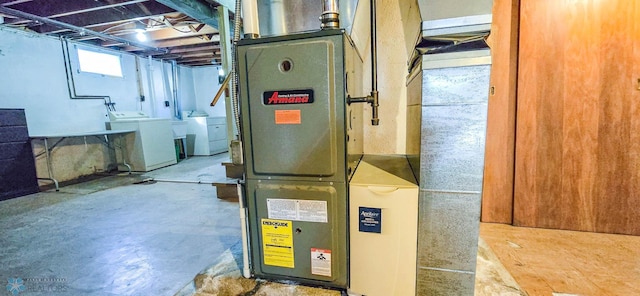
(370, 220)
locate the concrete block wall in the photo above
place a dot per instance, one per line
(454, 114)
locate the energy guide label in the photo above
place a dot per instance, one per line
(277, 243)
(298, 210)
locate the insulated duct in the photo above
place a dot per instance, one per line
(452, 26)
(282, 17)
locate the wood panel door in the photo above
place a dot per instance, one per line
(578, 116)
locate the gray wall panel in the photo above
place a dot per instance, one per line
(452, 156)
(456, 85)
(448, 230)
(437, 282)
(453, 129)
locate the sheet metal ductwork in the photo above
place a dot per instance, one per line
(451, 26)
(283, 17)
(447, 99)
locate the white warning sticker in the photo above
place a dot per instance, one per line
(298, 210)
(321, 262)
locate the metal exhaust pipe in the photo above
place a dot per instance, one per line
(330, 18)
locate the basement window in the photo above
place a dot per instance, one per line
(99, 63)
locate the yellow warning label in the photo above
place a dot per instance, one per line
(277, 243)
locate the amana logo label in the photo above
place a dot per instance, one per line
(281, 97)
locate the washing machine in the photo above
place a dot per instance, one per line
(206, 135)
(150, 147)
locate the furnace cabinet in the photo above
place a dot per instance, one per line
(302, 142)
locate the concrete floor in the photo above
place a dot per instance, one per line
(170, 236)
(113, 237)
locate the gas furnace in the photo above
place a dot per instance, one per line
(302, 142)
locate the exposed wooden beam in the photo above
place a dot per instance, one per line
(74, 28)
(199, 54)
(199, 47)
(107, 16)
(195, 59)
(195, 9)
(70, 7)
(144, 8)
(197, 28)
(229, 4)
(200, 64)
(175, 42)
(164, 34)
(128, 23)
(12, 2)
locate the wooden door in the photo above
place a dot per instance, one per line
(578, 116)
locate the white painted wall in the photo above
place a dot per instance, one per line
(34, 79)
(398, 26)
(206, 86)
(186, 88)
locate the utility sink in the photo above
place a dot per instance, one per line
(179, 128)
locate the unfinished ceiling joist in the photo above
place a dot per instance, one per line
(77, 29)
(195, 9)
(173, 29)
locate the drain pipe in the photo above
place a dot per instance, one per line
(176, 88)
(151, 85)
(372, 98)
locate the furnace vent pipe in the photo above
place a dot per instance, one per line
(330, 18)
(250, 19)
(277, 19)
(373, 97)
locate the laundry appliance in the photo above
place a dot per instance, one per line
(150, 147)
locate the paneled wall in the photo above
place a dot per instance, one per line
(497, 192)
(17, 169)
(578, 146)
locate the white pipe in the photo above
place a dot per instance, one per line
(176, 87)
(250, 18)
(246, 271)
(152, 91)
(166, 82)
